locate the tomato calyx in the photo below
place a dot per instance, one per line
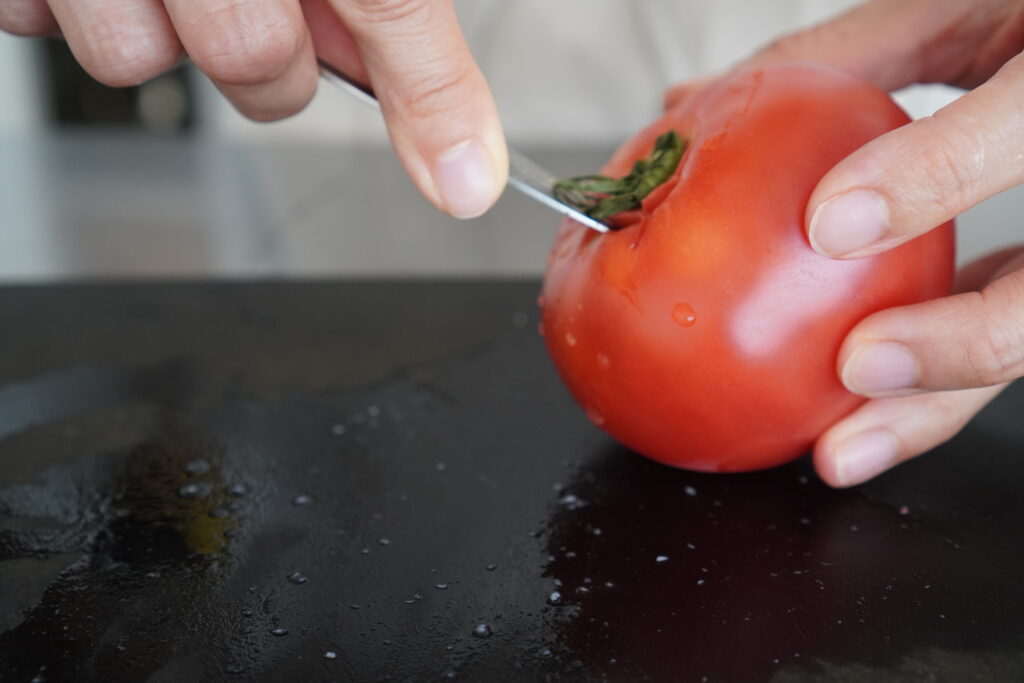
(601, 197)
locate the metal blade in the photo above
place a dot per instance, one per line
(524, 174)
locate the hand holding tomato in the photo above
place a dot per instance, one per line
(262, 55)
(928, 367)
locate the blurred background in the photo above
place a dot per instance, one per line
(167, 180)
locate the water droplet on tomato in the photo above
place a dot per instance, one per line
(540, 328)
(684, 314)
(570, 339)
(603, 361)
(540, 301)
(594, 416)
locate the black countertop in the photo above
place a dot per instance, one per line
(387, 481)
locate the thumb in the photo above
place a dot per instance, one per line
(919, 176)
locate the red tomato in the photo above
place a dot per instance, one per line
(705, 333)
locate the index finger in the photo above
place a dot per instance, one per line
(440, 114)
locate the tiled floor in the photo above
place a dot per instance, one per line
(110, 206)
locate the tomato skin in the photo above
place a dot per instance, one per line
(706, 334)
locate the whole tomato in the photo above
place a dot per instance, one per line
(704, 333)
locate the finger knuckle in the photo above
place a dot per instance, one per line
(388, 11)
(119, 54)
(994, 355)
(436, 92)
(945, 156)
(234, 49)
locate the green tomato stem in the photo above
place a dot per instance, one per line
(601, 197)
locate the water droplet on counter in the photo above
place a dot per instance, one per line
(482, 631)
(684, 314)
(441, 586)
(238, 490)
(279, 632)
(440, 467)
(338, 429)
(603, 361)
(690, 491)
(198, 466)
(194, 490)
(570, 339)
(571, 501)
(661, 558)
(491, 567)
(297, 578)
(546, 652)
(301, 499)
(330, 654)
(555, 598)
(385, 541)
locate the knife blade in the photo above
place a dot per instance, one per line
(524, 174)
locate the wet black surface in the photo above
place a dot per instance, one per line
(386, 481)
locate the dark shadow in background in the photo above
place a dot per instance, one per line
(164, 105)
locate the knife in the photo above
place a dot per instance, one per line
(524, 174)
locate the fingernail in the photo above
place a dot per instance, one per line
(465, 180)
(881, 367)
(864, 456)
(848, 223)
